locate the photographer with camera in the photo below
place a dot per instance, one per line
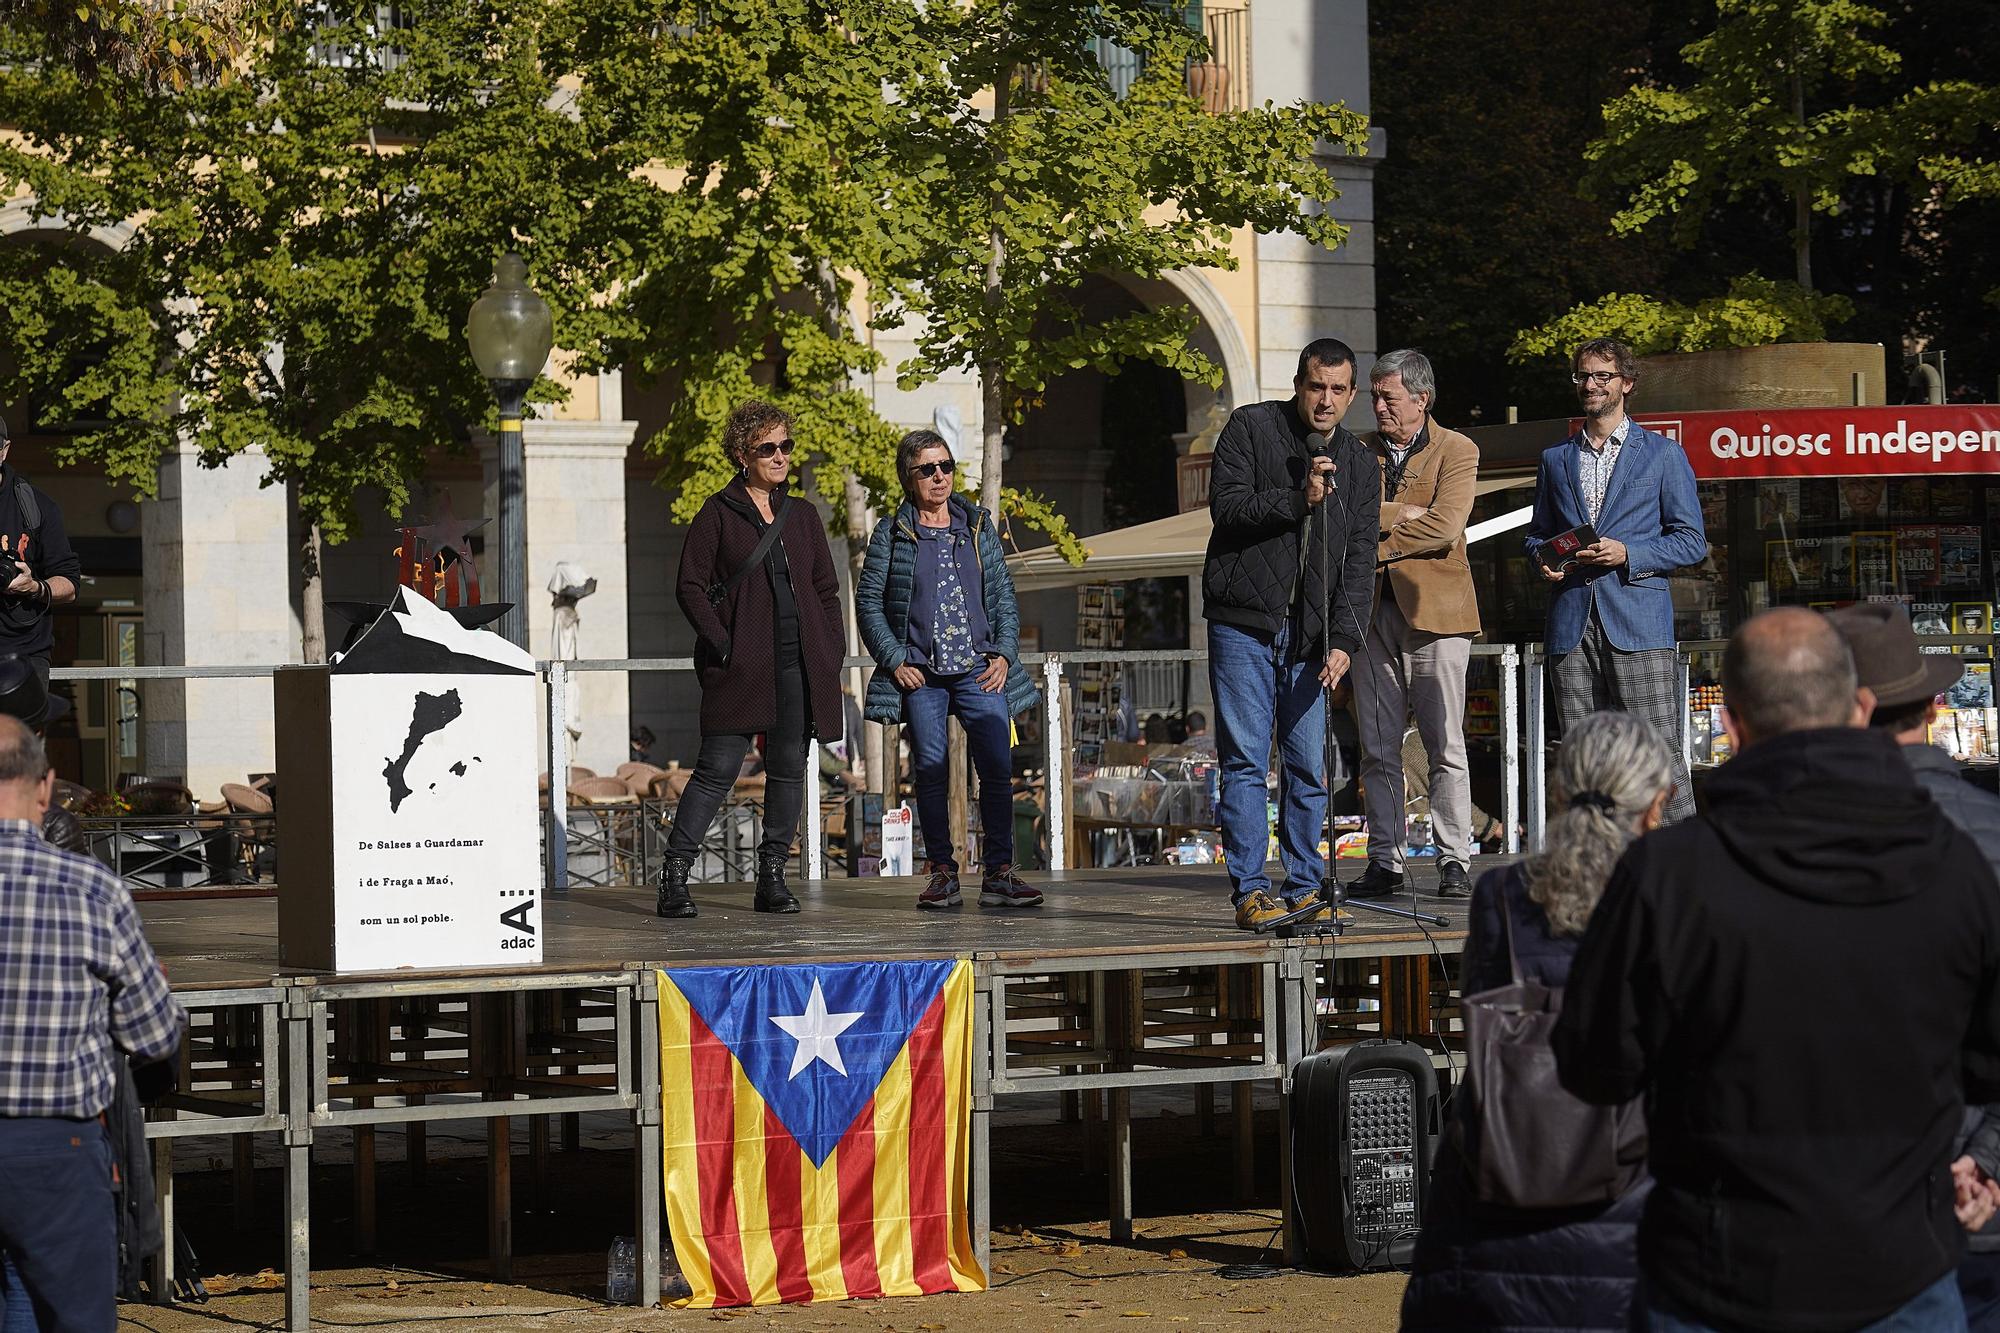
(38, 571)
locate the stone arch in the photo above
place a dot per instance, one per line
(18, 215)
(1218, 336)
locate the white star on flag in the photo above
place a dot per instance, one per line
(815, 1030)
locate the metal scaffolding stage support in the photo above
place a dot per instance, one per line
(1134, 982)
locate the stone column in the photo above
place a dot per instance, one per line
(217, 593)
(575, 495)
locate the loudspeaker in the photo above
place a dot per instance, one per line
(1365, 1124)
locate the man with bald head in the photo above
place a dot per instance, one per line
(80, 990)
(1803, 982)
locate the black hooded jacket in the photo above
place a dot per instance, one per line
(1805, 983)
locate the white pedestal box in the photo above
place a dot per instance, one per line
(410, 829)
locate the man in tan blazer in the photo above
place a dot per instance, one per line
(1420, 637)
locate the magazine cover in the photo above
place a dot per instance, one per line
(1778, 503)
(1823, 564)
(1971, 618)
(1714, 505)
(1780, 570)
(1917, 555)
(1952, 498)
(1910, 497)
(1972, 690)
(1961, 558)
(1931, 618)
(1864, 498)
(1874, 560)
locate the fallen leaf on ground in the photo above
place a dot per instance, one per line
(1251, 1309)
(266, 1278)
(1176, 1254)
(1135, 1314)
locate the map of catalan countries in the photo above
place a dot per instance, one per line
(432, 714)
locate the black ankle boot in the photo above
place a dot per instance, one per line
(673, 899)
(772, 895)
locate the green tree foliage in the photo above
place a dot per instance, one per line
(1756, 311)
(1797, 97)
(1024, 170)
(305, 241)
(155, 43)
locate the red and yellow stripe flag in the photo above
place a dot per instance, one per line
(816, 1122)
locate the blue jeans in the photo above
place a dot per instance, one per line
(988, 735)
(1935, 1309)
(1979, 1288)
(1257, 685)
(58, 1224)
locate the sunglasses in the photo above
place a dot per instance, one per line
(771, 447)
(929, 470)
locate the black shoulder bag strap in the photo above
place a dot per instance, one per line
(721, 588)
(31, 509)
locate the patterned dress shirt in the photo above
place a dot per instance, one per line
(1593, 466)
(79, 986)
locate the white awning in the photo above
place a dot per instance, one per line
(1163, 549)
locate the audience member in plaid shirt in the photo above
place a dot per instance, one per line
(80, 990)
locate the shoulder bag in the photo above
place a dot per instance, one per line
(1530, 1144)
(719, 589)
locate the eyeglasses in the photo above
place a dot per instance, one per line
(770, 447)
(1598, 377)
(929, 470)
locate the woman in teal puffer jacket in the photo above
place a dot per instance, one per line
(937, 611)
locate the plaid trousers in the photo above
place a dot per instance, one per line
(1597, 677)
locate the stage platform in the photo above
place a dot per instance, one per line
(1143, 910)
(1126, 978)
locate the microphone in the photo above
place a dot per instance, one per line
(1321, 447)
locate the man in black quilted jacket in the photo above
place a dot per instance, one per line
(1906, 684)
(1804, 982)
(1287, 589)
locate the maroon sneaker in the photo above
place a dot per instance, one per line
(942, 888)
(1001, 887)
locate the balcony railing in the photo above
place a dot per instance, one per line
(1221, 82)
(389, 18)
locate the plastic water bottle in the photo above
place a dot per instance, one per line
(621, 1272)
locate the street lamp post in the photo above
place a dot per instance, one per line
(510, 333)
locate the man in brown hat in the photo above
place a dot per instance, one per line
(1906, 684)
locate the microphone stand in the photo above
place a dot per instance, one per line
(1332, 895)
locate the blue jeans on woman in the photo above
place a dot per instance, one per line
(988, 735)
(1257, 686)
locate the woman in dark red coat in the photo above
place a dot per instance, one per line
(768, 651)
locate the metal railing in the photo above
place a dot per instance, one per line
(1524, 736)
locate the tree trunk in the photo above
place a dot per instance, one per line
(992, 378)
(312, 608)
(1801, 197)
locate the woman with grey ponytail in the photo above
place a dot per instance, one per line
(1576, 1268)
(1609, 780)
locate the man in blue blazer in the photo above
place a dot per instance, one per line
(1611, 623)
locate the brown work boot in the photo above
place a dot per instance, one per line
(1255, 909)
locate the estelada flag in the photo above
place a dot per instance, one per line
(816, 1122)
